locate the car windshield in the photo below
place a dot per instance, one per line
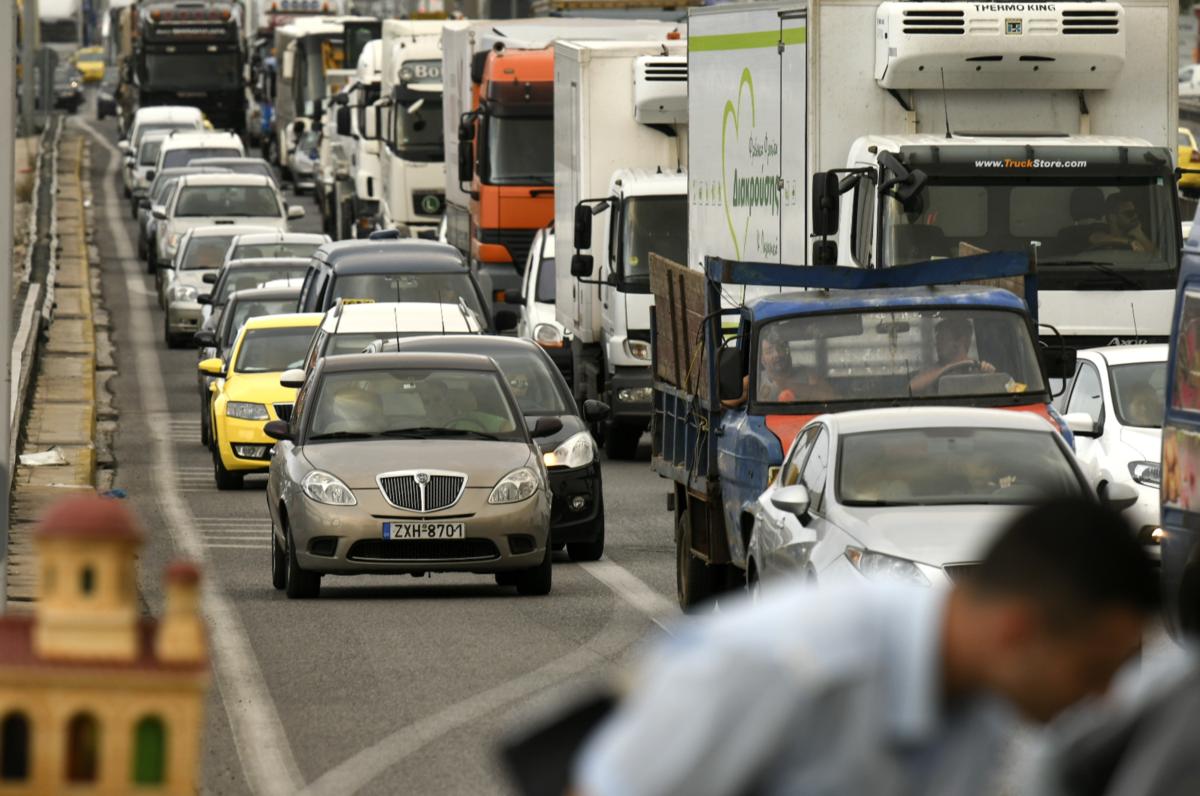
(652, 224)
(531, 382)
(148, 151)
(520, 151)
(436, 288)
(256, 251)
(546, 282)
(182, 157)
(271, 350)
(1139, 393)
(952, 466)
(243, 311)
(413, 404)
(204, 253)
(249, 277)
(980, 354)
(227, 200)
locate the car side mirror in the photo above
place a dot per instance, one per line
(204, 338)
(794, 500)
(595, 411)
(278, 429)
(1083, 424)
(583, 226)
(204, 298)
(293, 378)
(466, 160)
(504, 320)
(123, 145)
(729, 374)
(160, 214)
(1117, 496)
(209, 279)
(294, 212)
(213, 366)
(546, 427)
(582, 265)
(343, 120)
(150, 176)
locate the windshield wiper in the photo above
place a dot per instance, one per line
(1102, 267)
(421, 432)
(341, 435)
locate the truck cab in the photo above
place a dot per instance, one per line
(355, 200)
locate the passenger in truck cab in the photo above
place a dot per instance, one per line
(1122, 226)
(952, 341)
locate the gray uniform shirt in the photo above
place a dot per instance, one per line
(830, 691)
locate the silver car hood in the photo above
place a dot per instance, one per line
(358, 462)
(934, 535)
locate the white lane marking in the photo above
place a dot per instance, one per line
(259, 546)
(258, 735)
(633, 590)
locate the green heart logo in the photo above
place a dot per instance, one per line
(733, 112)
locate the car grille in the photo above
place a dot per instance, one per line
(421, 490)
(283, 412)
(423, 550)
(957, 572)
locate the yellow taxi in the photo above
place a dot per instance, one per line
(90, 63)
(1189, 158)
(247, 393)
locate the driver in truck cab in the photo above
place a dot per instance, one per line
(952, 342)
(1122, 227)
(781, 381)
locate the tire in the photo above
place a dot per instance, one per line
(151, 257)
(506, 578)
(536, 581)
(172, 340)
(695, 581)
(589, 551)
(205, 419)
(278, 564)
(621, 442)
(226, 480)
(301, 584)
(141, 247)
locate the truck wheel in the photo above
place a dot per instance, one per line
(694, 580)
(621, 441)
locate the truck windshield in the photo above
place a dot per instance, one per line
(1093, 233)
(520, 151)
(199, 71)
(417, 129)
(986, 356)
(653, 224)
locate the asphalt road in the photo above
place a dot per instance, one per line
(384, 684)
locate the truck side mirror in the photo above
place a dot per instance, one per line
(583, 230)
(343, 120)
(466, 131)
(581, 265)
(729, 374)
(466, 160)
(826, 203)
(1060, 361)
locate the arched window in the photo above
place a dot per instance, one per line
(14, 747)
(83, 748)
(150, 752)
(87, 580)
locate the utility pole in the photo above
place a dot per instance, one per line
(29, 89)
(8, 34)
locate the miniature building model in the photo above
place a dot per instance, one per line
(95, 698)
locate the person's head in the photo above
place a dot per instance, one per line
(773, 353)
(952, 339)
(1121, 213)
(1055, 607)
(1143, 406)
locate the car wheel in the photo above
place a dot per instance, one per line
(589, 551)
(226, 480)
(621, 442)
(537, 580)
(141, 247)
(694, 579)
(508, 578)
(278, 563)
(151, 259)
(301, 585)
(172, 340)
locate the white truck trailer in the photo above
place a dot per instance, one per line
(953, 128)
(620, 149)
(408, 188)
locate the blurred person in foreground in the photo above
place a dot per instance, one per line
(882, 688)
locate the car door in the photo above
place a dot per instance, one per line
(770, 525)
(1087, 397)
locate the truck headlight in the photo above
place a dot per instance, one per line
(877, 566)
(518, 485)
(1146, 473)
(577, 451)
(183, 293)
(635, 395)
(328, 489)
(548, 335)
(637, 349)
(246, 411)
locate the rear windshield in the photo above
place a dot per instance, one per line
(148, 153)
(181, 157)
(206, 253)
(255, 251)
(227, 200)
(272, 350)
(245, 310)
(437, 288)
(250, 278)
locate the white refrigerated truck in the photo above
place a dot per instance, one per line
(953, 128)
(620, 148)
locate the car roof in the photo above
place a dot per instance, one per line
(183, 139)
(167, 113)
(279, 236)
(1130, 354)
(391, 316)
(215, 230)
(396, 361)
(290, 320)
(258, 262)
(411, 255)
(265, 294)
(227, 178)
(783, 305)
(916, 417)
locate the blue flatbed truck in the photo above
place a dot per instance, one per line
(854, 339)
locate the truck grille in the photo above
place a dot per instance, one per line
(1100, 22)
(935, 20)
(664, 69)
(423, 550)
(283, 412)
(421, 490)
(517, 241)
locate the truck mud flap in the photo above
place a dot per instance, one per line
(709, 542)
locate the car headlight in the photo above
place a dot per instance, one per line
(548, 335)
(877, 566)
(1146, 473)
(328, 489)
(183, 293)
(518, 485)
(577, 451)
(638, 349)
(246, 411)
(635, 395)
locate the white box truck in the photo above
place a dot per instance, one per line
(954, 128)
(620, 149)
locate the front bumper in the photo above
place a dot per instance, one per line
(630, 394)
(353, 535)
(577, 510)
(183, 317)
(232, 431)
